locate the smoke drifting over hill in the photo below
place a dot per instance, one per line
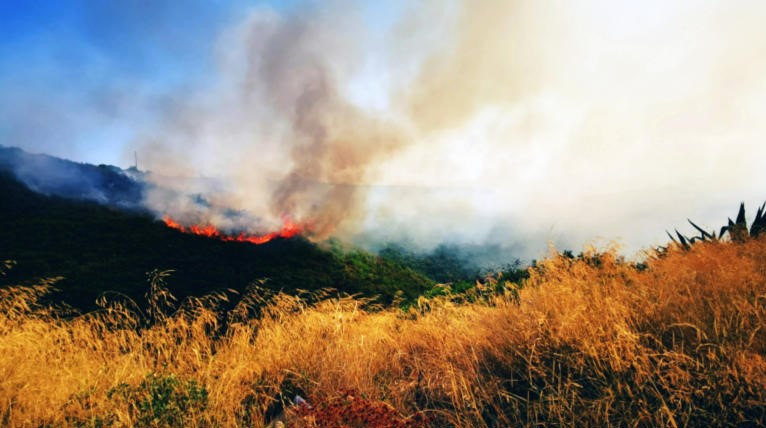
(278, 129)
(496, 121)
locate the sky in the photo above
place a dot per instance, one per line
(81, 78)
(512, 123)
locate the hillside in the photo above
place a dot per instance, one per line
(585, 341)
(96, 248)
(49, 175)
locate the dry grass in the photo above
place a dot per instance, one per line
(591, 341)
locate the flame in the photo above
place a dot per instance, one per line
(289, 229)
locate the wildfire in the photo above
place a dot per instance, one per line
(289, 229)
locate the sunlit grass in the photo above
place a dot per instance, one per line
(586, 341)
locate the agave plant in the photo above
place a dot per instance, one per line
(738, 230)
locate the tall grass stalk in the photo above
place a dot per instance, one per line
(586, 341)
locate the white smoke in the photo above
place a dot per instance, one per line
(496, 121)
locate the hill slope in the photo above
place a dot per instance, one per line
(49, 175)
(98, 248)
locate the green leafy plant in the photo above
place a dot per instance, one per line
(738, 230)
(162, 400)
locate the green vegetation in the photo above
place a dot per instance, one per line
(97, 249)
(162, 400)
(737, 230)
(444, 264)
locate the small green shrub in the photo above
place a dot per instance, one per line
(162, 400)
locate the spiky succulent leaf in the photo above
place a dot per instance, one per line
(741, 215)
(738, 230)
(759, 224)
(705, 234)
(684, 240)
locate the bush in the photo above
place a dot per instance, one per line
(162, 400)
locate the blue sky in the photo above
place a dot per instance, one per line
(80, 78)
(62, 61)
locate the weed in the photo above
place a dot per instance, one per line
(591, 340)
(162, 400)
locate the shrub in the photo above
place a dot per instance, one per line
(162, 400)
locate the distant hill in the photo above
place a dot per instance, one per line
(49, 175)
(76, 225)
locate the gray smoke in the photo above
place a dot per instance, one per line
(507, 122)
(277, 126)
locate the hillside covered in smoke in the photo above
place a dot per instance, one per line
(90, 226)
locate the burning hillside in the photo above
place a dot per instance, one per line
(288, 230)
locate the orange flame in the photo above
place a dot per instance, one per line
(289, 229)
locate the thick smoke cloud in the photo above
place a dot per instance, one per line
(496, 121)
(279, 126)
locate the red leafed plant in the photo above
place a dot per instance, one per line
(350, 410)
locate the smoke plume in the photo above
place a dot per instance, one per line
(496, 121)
(278, 125)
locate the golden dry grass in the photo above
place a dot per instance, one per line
(588, 341)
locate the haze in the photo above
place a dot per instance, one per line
(514, 123)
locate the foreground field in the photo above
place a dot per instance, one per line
(592, 340)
